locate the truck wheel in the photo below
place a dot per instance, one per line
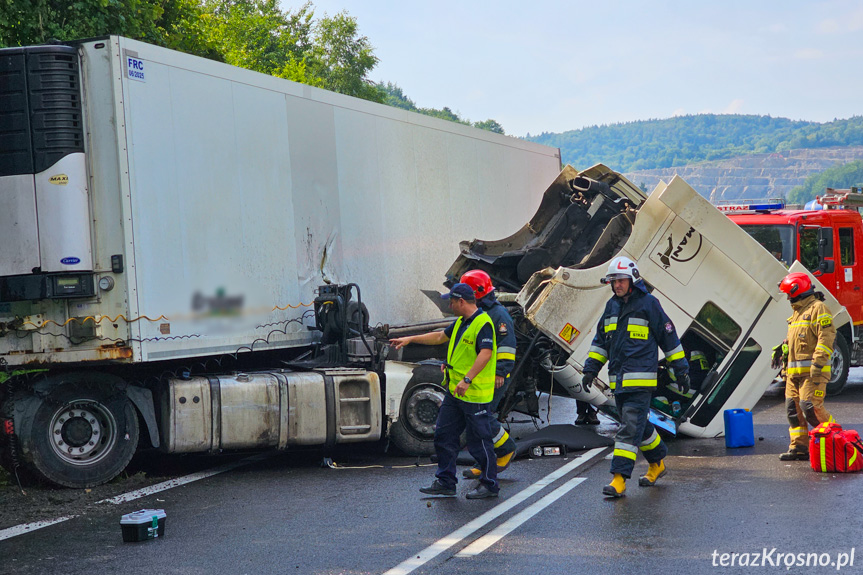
(840, 363)
(413, 432)
(81, 436)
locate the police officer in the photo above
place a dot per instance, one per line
(470, 374)
(811, 334)
(627, 335)
(480, 283)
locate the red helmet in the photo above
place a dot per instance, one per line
(479, 282)
(795, 284)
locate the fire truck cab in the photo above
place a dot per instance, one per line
(826, 238)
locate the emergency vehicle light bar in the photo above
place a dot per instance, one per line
(836, 198)
(750, 208)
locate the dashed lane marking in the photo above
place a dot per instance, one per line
(509, 525)
(176, 482)
(468, 529)
(132, 495)
(30, 527)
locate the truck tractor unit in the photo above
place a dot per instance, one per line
(824, 241)
(715, 282)
(192, 254)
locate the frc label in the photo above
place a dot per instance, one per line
(135, 69)
(569, 333)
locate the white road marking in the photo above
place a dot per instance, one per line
(176, 482)
(466, 530)
(507, 526)
(29, 527)
(132, 495)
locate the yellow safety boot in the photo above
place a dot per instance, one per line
(616, 488)
(654, 472)
(504, 449)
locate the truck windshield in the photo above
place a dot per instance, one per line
(776, 239)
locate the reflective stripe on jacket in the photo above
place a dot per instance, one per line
(628, 335)
(811, 335)
(461, 355)
(504, 333)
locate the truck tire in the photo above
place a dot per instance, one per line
(413, 432)
(840, 363)
(82, 434)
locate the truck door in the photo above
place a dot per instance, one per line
(848, 276)
(816, 253)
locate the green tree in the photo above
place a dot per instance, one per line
(258, 35)
(840, 176)
(490, 125)
(394, 96)
(27, 22)
(342, 58)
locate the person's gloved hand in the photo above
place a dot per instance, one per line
(816, 374)
(683, 383)
(776, 358)
(587, 380)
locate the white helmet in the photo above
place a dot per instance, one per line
(619, 268)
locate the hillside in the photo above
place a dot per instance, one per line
(752, 176)
(681, 141)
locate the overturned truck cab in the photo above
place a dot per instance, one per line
(717, 285)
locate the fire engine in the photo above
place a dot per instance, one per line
(824, 237)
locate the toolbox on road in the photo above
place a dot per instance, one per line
(142, 525)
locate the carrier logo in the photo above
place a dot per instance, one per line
(59, 180)
(685, 250)
(70, 261)
(135, 69)
(220, 304)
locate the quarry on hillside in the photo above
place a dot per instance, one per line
(752, 176)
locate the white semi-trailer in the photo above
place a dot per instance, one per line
(166, 224)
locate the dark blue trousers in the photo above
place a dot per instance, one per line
(454, 417)
(636, 433)
(495, 403)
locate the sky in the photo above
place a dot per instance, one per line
(552, 66)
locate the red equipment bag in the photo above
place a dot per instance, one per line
(831, 449)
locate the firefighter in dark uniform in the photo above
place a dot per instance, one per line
(811, 336)
(480, 282)
(631, 328)
(470, 373)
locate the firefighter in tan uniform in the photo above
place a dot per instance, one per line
(810, 345)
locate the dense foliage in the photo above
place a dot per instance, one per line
(841, 177)
(394, 96)
(328, 52)
(689, 139)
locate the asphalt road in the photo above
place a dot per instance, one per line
(288, 514)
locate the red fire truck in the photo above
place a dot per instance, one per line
(826, 238)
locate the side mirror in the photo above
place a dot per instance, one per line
(825, 250)
(825, 243)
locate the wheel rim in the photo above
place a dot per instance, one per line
(82, 432)
(837, 365)
(421, 409)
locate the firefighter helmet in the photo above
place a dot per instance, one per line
(795, 284)
(479, 282)
(620, 268)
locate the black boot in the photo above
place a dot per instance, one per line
(794, 455)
